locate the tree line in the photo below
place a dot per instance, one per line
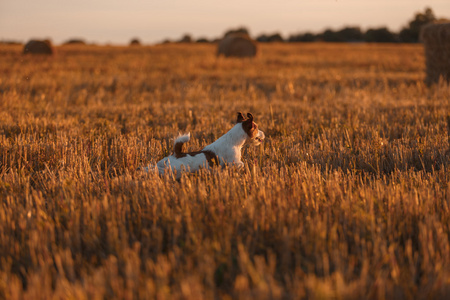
(408, 34)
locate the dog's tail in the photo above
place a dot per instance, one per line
(178, 144)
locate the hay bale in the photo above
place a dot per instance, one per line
(38, 47)
(236, 45)
(436, 40)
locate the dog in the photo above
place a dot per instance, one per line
(224, 151)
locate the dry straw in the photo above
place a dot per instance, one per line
(436, 39)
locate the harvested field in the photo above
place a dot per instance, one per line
(348, 197)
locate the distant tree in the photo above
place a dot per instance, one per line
(347, 34)
(350, 34)
(308, 37)
(411, 33)
(407, 36)
(276, 37)
(202, 40)
(10, 42)
(185, 39)
(380, 35)
(302, 37)
(135, 42)
(75, 41)
(239, 31)
(263, 38)
(330, 35)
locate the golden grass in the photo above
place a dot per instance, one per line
(347, 198)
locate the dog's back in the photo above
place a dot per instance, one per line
(189, 161)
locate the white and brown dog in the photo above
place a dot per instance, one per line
(225, 151)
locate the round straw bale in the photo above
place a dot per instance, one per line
(236, 45)
(38, 47)
(436, 40)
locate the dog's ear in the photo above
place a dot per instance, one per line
(240, 118)
(250, 116)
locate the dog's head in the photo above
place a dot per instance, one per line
(255, 136)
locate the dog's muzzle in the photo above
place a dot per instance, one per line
(259, 138)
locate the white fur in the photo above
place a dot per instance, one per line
(227, 148)
(187, 163)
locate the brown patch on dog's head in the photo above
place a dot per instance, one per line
(240, 117)
(250, 127)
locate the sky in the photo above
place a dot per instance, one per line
(152, 21)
